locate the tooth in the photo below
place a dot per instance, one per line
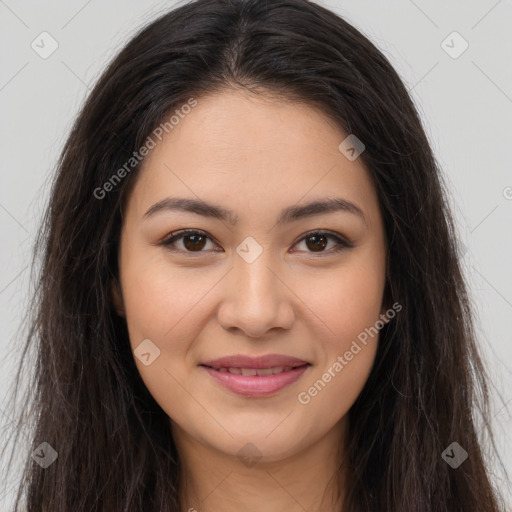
(264, 371)
(254, 371)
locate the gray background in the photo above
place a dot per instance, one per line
(465, 102)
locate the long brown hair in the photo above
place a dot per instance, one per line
(88, 402)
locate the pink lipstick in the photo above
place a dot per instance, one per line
(256, 376)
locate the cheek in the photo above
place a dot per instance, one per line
(346, 358)
(164, 307)
(332, 390)
(343, 302)
(348, 303)
(159, 301)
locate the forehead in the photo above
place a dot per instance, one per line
(253, 153)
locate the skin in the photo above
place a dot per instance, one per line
(254, 155)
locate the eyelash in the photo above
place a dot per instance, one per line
(177, 235)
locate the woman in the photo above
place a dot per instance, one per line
(250, 296)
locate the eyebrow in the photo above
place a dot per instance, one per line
(287, 215)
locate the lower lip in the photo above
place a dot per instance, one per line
(256, 385)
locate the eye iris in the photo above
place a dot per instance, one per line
(319, 242)
(198, 244)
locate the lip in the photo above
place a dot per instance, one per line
(258, 362)
(256, 385)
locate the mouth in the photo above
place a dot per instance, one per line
(256, 376)
(249, 372)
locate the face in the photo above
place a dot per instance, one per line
(259, 274)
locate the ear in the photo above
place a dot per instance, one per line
(117, 298)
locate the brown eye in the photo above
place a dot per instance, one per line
(194, 242)
(191, 241)
(318, 242)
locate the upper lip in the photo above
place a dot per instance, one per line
(259, 362)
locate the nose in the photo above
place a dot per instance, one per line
(256, 299)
